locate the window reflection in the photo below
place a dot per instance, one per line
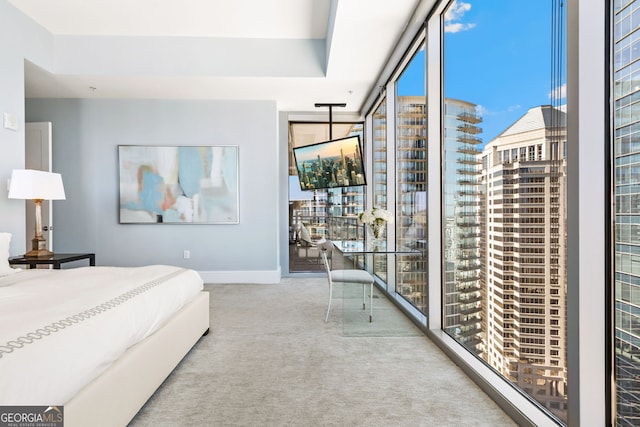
(379, 124)
(411, 179)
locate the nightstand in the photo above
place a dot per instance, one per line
(55, 260)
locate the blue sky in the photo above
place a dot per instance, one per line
(497, 55)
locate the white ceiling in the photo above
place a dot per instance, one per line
(297, 52)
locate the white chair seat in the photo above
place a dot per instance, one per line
(351, 276)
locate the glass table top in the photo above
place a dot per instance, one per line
(366, 247)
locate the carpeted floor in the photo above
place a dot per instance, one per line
(389, 321)
(271, 360)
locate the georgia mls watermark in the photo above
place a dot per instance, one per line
(31, 416)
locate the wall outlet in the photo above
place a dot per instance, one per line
(186, 254)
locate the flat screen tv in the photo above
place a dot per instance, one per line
(330, 164)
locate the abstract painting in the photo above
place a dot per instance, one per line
(178, 184)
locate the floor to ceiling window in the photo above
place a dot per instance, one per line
(515, 287)
(504, 190)
(511, 271)
(626, 186)
(411, 178)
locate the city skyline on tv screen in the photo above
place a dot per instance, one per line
(330, 164)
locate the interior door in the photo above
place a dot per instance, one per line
(38, 157)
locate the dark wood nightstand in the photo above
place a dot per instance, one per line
(55, 260)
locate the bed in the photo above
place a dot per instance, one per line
(134, 325)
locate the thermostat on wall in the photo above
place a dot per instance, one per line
(10, 121)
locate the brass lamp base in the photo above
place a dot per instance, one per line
(38, 254)
(39, 245)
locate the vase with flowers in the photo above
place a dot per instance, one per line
(376, 219)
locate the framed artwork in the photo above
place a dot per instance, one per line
(178, 184)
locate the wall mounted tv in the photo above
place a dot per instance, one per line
(330, 164)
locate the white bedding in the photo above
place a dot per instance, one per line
(59, 329)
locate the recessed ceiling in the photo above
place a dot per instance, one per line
(295, 52)
(193, 18)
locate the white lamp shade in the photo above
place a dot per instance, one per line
(32, 184)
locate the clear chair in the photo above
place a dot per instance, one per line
(307, 252)
(345, 277)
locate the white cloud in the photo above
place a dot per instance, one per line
(455, 13)
(481, 110)
(457, 10)
(559, 92)
(457, 27)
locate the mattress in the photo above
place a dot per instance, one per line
(60, 329)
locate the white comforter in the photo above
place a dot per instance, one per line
(59, 329)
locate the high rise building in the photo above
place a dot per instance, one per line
(626, 186)
(411, 190)
(523, 251)
(461, 199)
(379, 178)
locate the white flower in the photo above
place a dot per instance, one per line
(375, 215)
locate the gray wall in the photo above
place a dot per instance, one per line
(20, 39)
(86, 134)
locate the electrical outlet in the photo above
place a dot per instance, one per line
(186, 254)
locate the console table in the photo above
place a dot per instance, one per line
(54, 260)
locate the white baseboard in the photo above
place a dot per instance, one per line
(268, 277)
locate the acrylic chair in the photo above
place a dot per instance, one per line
(306, 248)
(345, 277)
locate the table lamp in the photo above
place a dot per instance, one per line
(36, 185)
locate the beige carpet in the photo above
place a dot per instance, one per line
(271, 360)
(389, 321)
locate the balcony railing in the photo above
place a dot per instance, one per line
(468, 171)
(469, 118)
(466, 128)
(468, 139)
(468, 160)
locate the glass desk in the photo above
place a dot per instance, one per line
(366, 249)
(361, 247)
(376, 255)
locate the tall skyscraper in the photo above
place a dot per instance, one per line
(411, 190)
(379, 178)
(523, 253)
(626, 187)
(461, 199)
